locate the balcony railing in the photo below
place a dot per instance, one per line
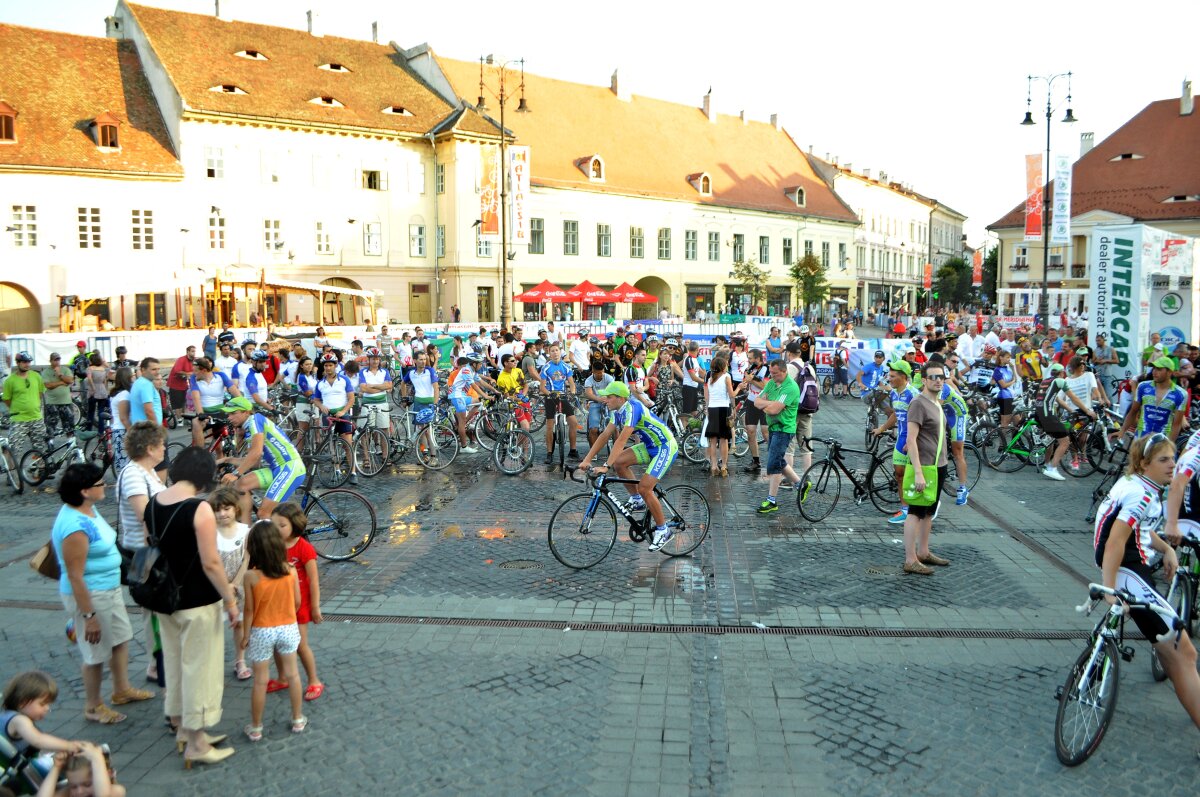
(1078, 271)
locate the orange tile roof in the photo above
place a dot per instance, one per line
(650, 147)
(197, 51)
(1136, 188)
(58, 83)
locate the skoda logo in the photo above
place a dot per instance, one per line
(1171, 303)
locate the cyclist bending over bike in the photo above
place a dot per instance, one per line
(282, 470)
(655, 447)
(1127, 543)
(334, 396)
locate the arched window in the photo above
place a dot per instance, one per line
(106, 131)
(597, 169)
(706, 185)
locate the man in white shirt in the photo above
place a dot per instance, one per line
(225, 360)
(508, 347)
(993, 338)
(555, 335)
(1007, 343)
(966, 345)
(581, 355)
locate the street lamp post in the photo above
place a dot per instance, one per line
(502, 96)
(1044, 302)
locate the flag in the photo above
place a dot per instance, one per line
(519, 165)
(489, 194)
(1033, 197)
(977, 269)
(928, 276)
(1060, 221)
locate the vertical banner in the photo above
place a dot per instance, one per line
(1060, 221)
(928, 283)
(977, 269)
(519, 183)
(489, 194)
(1033, 197)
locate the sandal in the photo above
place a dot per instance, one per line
(131, 696)
(298, 725)
(276, 686)
(254, 732)
(314, 691)
(104, 715)
(241, 671)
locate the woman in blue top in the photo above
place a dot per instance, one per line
(90, 586)
(1004, 376)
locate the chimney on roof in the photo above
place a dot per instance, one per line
(867, 173)
(224, 9)
(810, 149)
(742, 116)
(1186, 103)
(314, 22)
(835, 160)
(375, 32)
(775, 121)
(620, 89)
(849, 167)
(1086, 142)
(709, 110)
(113, 28)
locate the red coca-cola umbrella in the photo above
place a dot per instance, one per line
(546, 292)
(588, 293)
(627, 293)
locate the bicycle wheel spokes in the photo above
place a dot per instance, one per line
(970, 477)
(687, 515)
(741, 441)
(882, 486)
(581, 534)
(1009, 455)
(514, 451)
(1086, 705)
(332, 463)
(34, 467)
(818, 491)
(341, 523)
(436, 445)
(371, 452)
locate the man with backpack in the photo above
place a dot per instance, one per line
(803, 373)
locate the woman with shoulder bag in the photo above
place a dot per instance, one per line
(193, 639)
(925, 472)
(90, 585)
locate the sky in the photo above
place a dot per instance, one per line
(930, 92)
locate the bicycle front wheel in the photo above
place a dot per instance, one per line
(331, 463)
(818, 492)
(11, 470)
(882, 486)
(1004, 455)
(34, 468)
(1086, 704)
(968, 478)
(341, 523)
(436, 446)
(687, 514)
(692, 450)
(537, 411)
(514, 451)
(582, 531)
(371, 452)
(741, 440)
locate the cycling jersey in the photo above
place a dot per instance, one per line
(239, 373)
(334, 396)
(981, 374)
(900, 401)
(307, 383)
(1188, 466)
(1047, 394)
(953, 403)
(369, 377)
(635, 376)
(212, 392)
(256, 386)
(511, 381)
(647, 427)
(422, 384)
(278, 450)
(555, 375)
(873, 374)
(1003, 372)
(289, 371)
(465, 377)
(1137, 501)
(1156, 413)
(761, 374)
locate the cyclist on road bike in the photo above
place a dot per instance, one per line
(655, 447)
(1127, 544)
(375, 385)
(255, 382)
(208, 395)
(558, 378)
(282, 471)
(334, 395)
(901, 396)
(1159, 405)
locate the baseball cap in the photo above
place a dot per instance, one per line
(901, 366)
(238, 404)
(951, 336)
(81, 344)
(1057, 368)
(615, 389)
(1082, 350)
(793, 347)
(1164, 362)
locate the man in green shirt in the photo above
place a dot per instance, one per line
(22, 395)
(60, 417)
(779, 400)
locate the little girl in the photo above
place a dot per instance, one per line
(231, 538)
(27, 700)
(269, 621)
(290, 519)
(87, 772)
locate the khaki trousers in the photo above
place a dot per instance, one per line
(193, 643)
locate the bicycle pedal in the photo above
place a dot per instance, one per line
(1127, 653)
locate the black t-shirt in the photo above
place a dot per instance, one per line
(174, 525)
(807, 344)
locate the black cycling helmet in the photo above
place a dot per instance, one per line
(23, 357)
(258, 356)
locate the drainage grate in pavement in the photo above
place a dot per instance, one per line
(521, 564)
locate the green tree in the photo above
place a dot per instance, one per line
(809, 276)
(752, 279)
(991, 265)
(952, 282)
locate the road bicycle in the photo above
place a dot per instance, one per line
(331, 458)
(561, 439)
(1017, 447)
(1088, 699)
(583, 529)
(1181, 595)
(418, 428)
(8, 463)
(820, 485)
(513, 451)
(974, 460)
(37, 466)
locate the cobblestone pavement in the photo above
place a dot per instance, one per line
(458, 703)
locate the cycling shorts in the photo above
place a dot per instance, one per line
(281, 483)
(752, 414)
(461, 403)
(1050, 424)
(899, 458)
(1138, 580)
(657, 460)
(551, 404)
(1006, 406)
(303, 412)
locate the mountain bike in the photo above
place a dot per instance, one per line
(1088, 699)
(1181, 595)
(37, 466)
(513, 451)
(419, 429)
(8, 464)
(821, 484)
(583, 529)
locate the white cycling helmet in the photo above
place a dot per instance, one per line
(804, 330)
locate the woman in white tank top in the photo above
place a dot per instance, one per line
(717, 392)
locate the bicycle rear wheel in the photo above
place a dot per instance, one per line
(11, 470)
(341, 523)
(687, 514)
(741, 440)
(436, 445)
(331, 463)
(1180, 598)
(692, 450)
(371, 452)
(34, 468)
(537, 411)
(970, 478)
(1086, 707)
(582, 531)
(827, 385)
(816, 502)
(514, 451)
(856, 390)
(882, 486)
(1005, 460)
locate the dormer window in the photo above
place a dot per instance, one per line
(105, 129)
(1126, 156)
(227, 88)
(593, 167)
(1183, 198)
(796, 194)
(251, 55)
(396, 110)
(328, 102)
(702, 182)
(8, 123)
(331, 67)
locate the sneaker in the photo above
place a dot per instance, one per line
(635, 504)
(1052, 473)
(1076, 462)
(354, 479)
(805, 491)
(549, 460)
(661, 537)
(899, 517)
(963, 493)
(469, 450)
(753, 467)
(574, 455)
(767, 507)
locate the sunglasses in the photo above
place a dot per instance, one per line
(1151, 441)
(931, 377)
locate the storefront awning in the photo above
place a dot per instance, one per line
(296, 286)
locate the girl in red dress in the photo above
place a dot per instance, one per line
(302, 556)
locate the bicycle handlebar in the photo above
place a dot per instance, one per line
(1098, 591)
